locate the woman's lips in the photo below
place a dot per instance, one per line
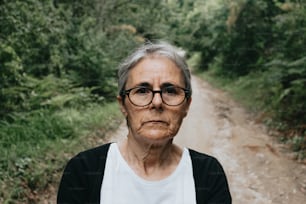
(156, 121)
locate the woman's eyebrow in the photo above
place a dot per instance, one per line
(145, 84)
(166, 84)
(148, 85)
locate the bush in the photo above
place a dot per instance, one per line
(35, 146)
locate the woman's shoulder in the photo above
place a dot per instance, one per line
(202, 160)
(199, 155)
(90, 157)
(95, 151)
(210, 179)
(83, 176)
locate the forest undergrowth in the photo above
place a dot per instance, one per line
(36, 147)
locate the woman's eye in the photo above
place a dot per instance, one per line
(142, 91)
(170, 90)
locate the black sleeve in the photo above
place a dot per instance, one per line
(82, 177)
(73, 186)
(218, 188)
(210, 180)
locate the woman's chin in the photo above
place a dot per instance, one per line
(157, 136)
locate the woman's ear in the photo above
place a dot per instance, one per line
(122, 106)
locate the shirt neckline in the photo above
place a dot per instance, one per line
(163, 181)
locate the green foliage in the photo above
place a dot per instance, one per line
(93, 67)
(11, 66)
(250, 35)
(34, 36)
(194, 61)
(200, 26)
(287, 82)
(255, 47)
(10, 77)
(80, 42)
(62, 39)
(32, 145)
(22, 141)
(56, 58)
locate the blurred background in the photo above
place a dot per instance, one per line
(59, 58)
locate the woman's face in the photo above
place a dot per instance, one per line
(156, 122)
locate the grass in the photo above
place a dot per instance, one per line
(35, 146)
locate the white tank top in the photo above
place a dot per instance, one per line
(122, 186)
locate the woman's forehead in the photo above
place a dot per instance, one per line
(155, 69)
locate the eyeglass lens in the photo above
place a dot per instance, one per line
(142, 96)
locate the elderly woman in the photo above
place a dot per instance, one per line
(147, 168)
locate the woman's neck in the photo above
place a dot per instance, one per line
(151, 161)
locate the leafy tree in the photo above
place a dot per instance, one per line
(250, 36)
(76, 41)
(200, 26)
(289, 65)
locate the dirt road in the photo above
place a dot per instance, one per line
(258, 171)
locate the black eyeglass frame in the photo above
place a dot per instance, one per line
(123, 93)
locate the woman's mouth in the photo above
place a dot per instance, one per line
(155, 122)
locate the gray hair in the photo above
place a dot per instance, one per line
(149, 49)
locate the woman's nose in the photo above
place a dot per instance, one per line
(157, 99)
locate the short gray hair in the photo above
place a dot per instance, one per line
(148, 49)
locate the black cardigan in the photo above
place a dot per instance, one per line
(83, 176)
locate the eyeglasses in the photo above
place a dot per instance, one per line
(143, 96)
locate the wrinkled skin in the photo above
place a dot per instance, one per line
(156, 123)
